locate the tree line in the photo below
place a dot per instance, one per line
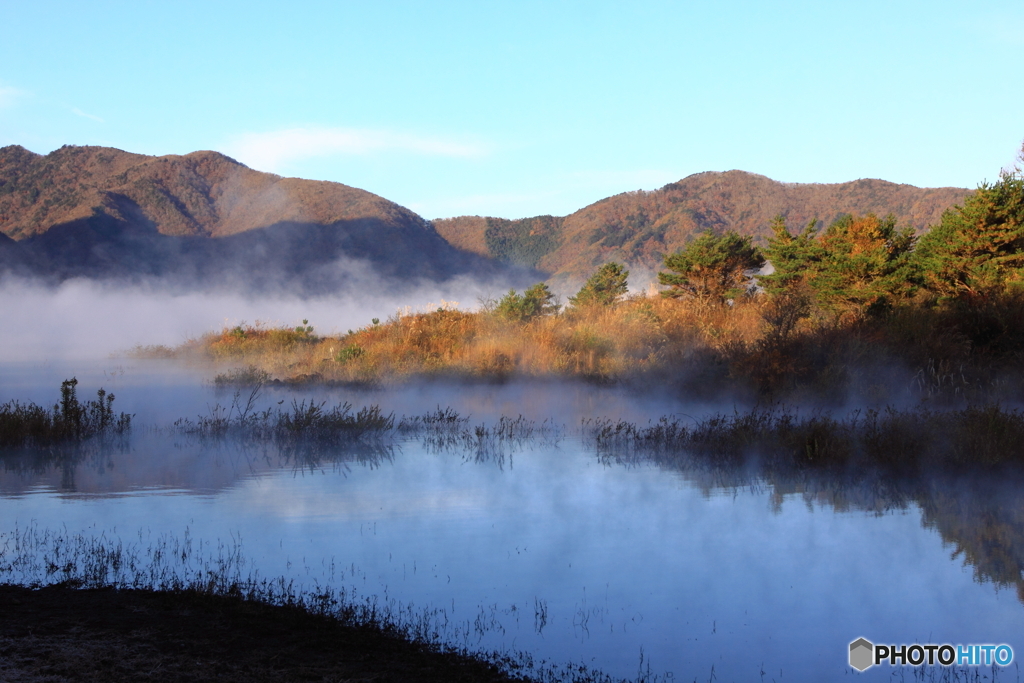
(858, 266)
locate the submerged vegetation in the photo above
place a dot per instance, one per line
(309, 421)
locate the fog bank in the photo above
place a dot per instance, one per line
(88, 319)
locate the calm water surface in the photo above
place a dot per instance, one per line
(552, 551)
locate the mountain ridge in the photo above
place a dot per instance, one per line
(103, 212)
(638, 228)
(200, 193)
(205, 218)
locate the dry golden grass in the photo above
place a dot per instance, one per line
(748, 346)
(638, 336)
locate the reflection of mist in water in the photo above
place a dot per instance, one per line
(698, 566)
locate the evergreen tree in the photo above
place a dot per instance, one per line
(711, 269)
(536, 301)
(859, 264)
(977, 250)
(868, 263)
(603, 288)
(791, 256)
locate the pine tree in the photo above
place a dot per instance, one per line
(791, 256)
(859, 264)
(603, 288)
(536, 301)
(711, 269)
(977, 250)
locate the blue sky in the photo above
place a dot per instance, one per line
(523, 108)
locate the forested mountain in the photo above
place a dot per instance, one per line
(639, 228)
(205, 218)
(102, 212)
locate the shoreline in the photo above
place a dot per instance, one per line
(61, 633)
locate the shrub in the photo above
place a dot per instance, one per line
(69, 420)
(347, 353)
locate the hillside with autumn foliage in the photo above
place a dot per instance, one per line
(640, 228)
(202, 217)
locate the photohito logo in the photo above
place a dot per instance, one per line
(864, 653)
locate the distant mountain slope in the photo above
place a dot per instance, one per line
(102, 212)
(198, 194)
(638, 228)
(205, 218)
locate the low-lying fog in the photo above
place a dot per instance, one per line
(82, 328)
(88, 320)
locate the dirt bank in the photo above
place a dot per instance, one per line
(60, 634)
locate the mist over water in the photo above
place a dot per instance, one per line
(550, 548)
(89, 319)
(82, 328)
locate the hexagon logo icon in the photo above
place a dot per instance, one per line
(862, 654)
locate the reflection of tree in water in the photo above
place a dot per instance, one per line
(963, 468)
(65, 458)
(981, 517)
(984, 522)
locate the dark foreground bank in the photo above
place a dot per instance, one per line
(63, 634)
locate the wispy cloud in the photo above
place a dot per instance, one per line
(78, 112)
(9, 95)
(273, 150)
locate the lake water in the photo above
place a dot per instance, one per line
(542, 546)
